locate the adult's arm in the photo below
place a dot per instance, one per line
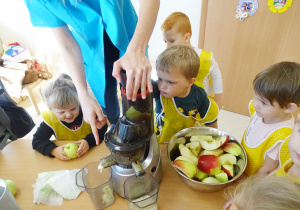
(134, 61)
(71, 51)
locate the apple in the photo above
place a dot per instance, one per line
(184, 151)
(186, 167)
(200, 138)
(227, 159)
(222, 177)
(195, 148)
(210, 144)
(209, 164)
(216, 152)
(71, 150)
(200, 175)
(223, 140)
(211, 180)
(232, 148)
(183, 158)
(228, 169)
(241, 164)
(11, 186)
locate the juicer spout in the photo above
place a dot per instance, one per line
(138, 169)
(106, 162)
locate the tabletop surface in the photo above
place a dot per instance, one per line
(20, 163)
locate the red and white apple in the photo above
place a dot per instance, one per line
(209, 164)
(183, 158)
(210, 144)
(216, 152)
(228, 169)
(186, 167)
(232, 148)
(227, 159)
(223, 140)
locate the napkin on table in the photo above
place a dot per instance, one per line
(52, 186)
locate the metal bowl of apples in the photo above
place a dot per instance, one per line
(206, 159)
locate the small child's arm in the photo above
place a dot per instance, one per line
(269, 166)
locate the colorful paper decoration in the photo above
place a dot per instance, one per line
(279, 6)
(246, 8)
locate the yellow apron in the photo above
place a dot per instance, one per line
(175, 121)
(61, 132)
(282, 171)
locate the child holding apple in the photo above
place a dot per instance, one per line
(179, 102)
(268, 193)
(276, 97)
(291, 168)
(64, 119)
(176, 30)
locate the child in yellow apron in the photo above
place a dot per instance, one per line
(276, 97)
(291, 167)
(179, 102)
(64, 120)
(176, 30)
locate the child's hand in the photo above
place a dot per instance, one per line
(83, 147)
(59, 153)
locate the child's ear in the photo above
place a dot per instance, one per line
(192, 81)
(290, 108)
(187, 37)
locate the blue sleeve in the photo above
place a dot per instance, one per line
(41, 16)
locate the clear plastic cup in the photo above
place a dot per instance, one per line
(7, 200)
(141, 192)
(97, 184)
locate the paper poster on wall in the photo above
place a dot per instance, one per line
(246, 8)
(279, 6)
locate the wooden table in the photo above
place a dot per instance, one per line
(19, 162)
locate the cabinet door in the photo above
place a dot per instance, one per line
(244, 48)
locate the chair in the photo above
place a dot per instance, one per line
(5, 129)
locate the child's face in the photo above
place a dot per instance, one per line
(294, 144)
(67, 115)
(173, 37)
(264, 109)
(174, 83)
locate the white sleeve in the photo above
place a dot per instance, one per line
(216, 77)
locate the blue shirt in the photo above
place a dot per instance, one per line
(87, 20)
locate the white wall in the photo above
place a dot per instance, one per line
(15, 26)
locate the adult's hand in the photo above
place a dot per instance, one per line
(92, 114)
(138, 72)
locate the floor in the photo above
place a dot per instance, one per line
(232, 123)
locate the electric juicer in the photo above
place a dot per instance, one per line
(132, 142)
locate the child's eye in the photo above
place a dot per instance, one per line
(170, 82)
(61, 112)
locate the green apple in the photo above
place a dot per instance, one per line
(200, 175)
(184, 151)
(215, 152)
(195, 148)
(209, 164)
(233, 148)
(241, 164)
(71, 150)
(228, 169)
(11, 186)
(186, 167)
(227, 159)
(211, 180)
(222, 177)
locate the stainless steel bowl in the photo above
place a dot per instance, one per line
(173, 152)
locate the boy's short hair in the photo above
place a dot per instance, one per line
(279, 82)
(183, 21)
(179, 58)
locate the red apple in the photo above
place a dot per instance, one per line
(209, 164)
(233, 148)
(228, 169)
(185, 167)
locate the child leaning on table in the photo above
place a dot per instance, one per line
(291, 168)
(176, 30)
(179, 102)
(276, 97)
(64, 119)
(268, 193)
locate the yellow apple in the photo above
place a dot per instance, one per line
(71, 150)
(11, 186)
